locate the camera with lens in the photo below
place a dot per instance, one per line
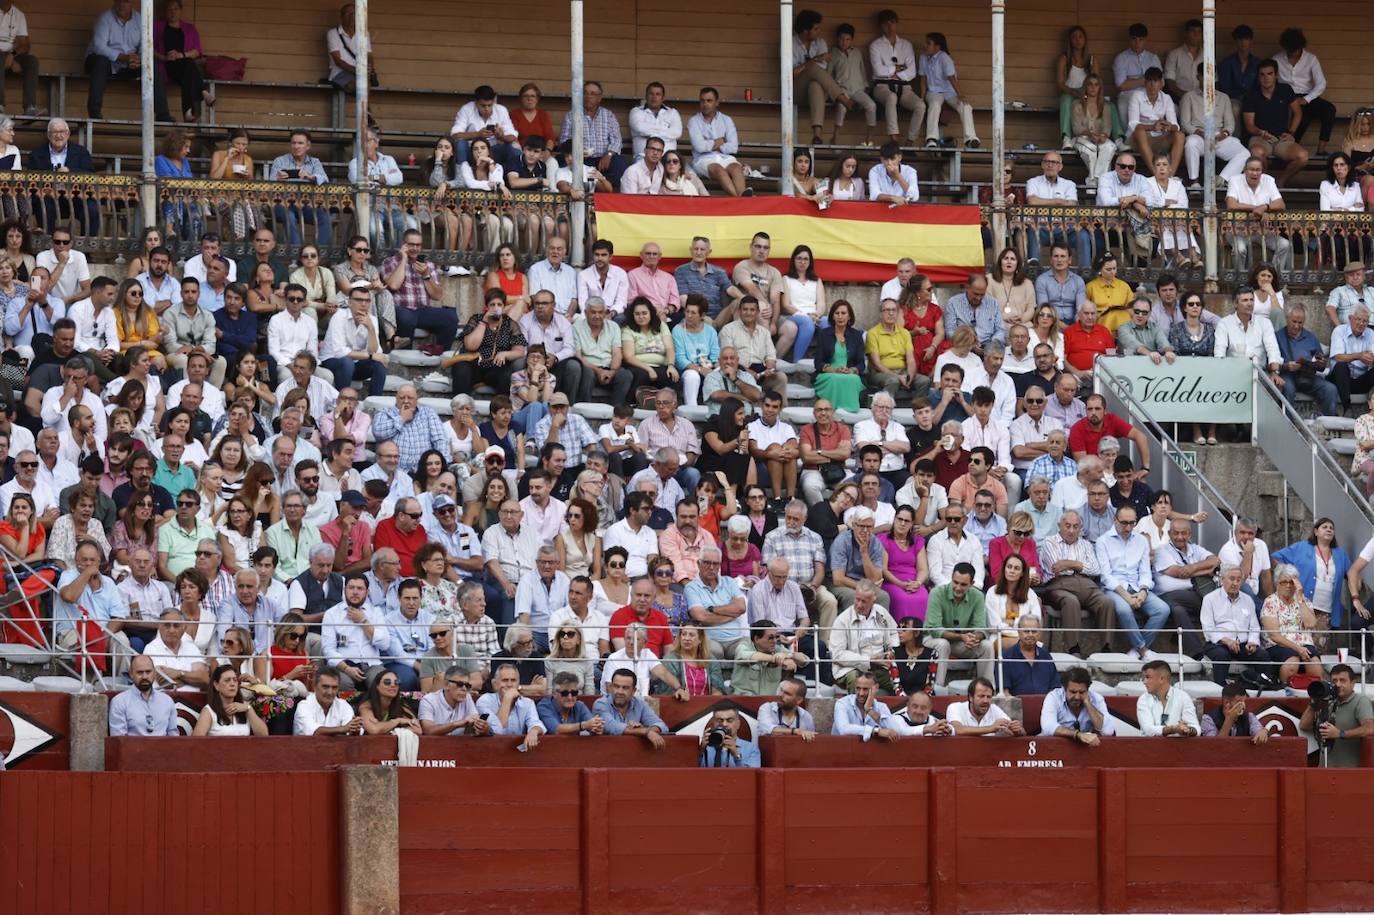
(717, 736)
(1322, 694)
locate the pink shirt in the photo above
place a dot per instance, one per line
(358, 427)
(659, 286)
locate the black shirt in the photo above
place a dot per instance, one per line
(1025, 380)
(821, 519)
(1271, 114)
(162, 500)
(922, 440)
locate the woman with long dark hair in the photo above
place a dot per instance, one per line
(383, 709)
(224, 713)
(725, 444)
(803, 302)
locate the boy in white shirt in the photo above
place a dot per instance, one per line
(620, 440)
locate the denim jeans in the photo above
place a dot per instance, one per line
(1155, 610)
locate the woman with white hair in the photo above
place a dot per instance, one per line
(1288, 621)
(463, 438)
(740, 555)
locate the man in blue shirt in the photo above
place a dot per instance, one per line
(561, 712)
(115, 52)
(1061, 287)
(1074, 710)
(1303, 362)
(972, 308)
(1123, 557)
(1028, 667)
(704, 278)
(510, 714)
(1351, 354)
(141, 711)
(1237, 73)
(625, 713)
(729, 751)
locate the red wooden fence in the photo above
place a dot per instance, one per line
(96, 843)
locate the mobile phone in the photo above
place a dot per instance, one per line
(484, 716)
(422, 258)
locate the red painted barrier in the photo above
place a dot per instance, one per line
(94, 843)
(33, 730)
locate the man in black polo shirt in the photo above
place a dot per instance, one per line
(1272, 114)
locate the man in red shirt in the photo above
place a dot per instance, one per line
(350, 537)
(823, 442)
(1084, 341)
(951, 461)
(641, 610)
(1088, 432)
(403, 533)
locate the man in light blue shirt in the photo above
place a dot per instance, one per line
(408, 627)
(730, 751)
(625, 713)
(786, 715)
(95, 593)
(510, 714)
(1352, 354)
(141, 711)
(1128, 67)
(717, 603)
(115, 53)
(36, 313)
(299, 167)
(557, 277)
(1124, 559)
(890, 181)
(1061, 287)
(1073, 710)
(860, 714)
(972, 308)
(1343, 299)
(539, 592)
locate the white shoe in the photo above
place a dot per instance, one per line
(1134, 654)
(436, 378)
(459, 271)
(1065, 143)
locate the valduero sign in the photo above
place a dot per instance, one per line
(1192, 389)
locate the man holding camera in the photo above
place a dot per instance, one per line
(1346, 717)
(723, 748)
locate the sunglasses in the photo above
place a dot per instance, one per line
(206, 553)
(185, 503)
(1126, 167)
(1137, 311)
(566, 635)
(666, 573)
(361, 250)
(28, 465)
(615, 565)
(460, 684)
(61, 241)
(295, 299)
(1021, 533)
(314, 479)
(565, 693)
(1035, 400)
(440, 635)
(388, 682)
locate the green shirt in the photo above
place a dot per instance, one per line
(944, 612)
(1348, 716)
(293, 552)
(750, 678)
(179, 545)
(1129, 338)
(597, 350)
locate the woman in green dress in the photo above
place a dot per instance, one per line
(840, 359)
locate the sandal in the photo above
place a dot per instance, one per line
(1211, 439)
(1199, 440)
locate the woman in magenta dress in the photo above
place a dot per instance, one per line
(906, 574)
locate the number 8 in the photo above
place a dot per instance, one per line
(1030, 750)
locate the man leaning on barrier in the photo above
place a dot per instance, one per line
(1074, 710)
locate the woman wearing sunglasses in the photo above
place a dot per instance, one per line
(284, 665)
(383, 709)
(569, 655)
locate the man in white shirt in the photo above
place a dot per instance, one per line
(603, 279)
(1241, 334)
(560, 278)
(1256, 193)
(484, 119)
(199, 267)
(354, 634)
(1050, 189)
(916, 720)
(645, 175)
(1178, 564)
(890, 181)
(984, 430)
(15, 48)
(176, 658)
(292, 331)
(979, 716)
(58, 401)
(654, 119)
(1164, 711)
(1230, 626)
(26, 481)
(952, 546)
(323, 713)
(321, 394)
(892, 61)
(714, 145)
(1352, 356)
(352, 343)
(1181, 64)
(1152, 121)
(1251, 555)
(892, 289)
(1229, 149)
(633, 534)
(74, 282)
(989, 374)
(1300, 69)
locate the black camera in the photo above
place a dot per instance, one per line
(717, 736)
(1322, 693)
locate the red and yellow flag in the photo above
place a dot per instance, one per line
(852, 241)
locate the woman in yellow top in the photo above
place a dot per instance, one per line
(1011, 289)
(136, 322)
(1111, 295)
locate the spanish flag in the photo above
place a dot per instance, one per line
(852, 242)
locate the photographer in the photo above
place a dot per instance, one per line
(1346, 717)
(722, 747)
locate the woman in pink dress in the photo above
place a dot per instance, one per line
(906, 574)
(926, 322)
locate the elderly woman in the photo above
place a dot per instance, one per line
(1288, 621)
(464, 440)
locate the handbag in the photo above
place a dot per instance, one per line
(14, 368)
(832, 473)
(1204, 585)
(225, 69)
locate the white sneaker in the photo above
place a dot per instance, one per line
(459, 271)
(1134, 654)
(1065, 143)
(436, 378)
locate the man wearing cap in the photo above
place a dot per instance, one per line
(462, 544)
(493, 462)
(348, 534)
(564, 427)
(1344, 298)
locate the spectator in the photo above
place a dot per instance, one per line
(299, 167)
(1272, 114)
(1289, 624)
(890, 181)
(1052, 190)
(1125, 563)
(1304, 362)
(1345, 298)
(749, 343)
(599, 349)
(892, 62)
(510, 714)
(1075, 711)
(846, 66)
(654, 119)
(415, 286)
(1322, 566)
(115, 52)
(811, 76)
(1028, 669)
(967, 309)
(1231, 719)
(1093, 122)
(1182, 64)
(1161, 704)
(624, 712)
(1070, 571)
(1300, 70)
(862, 641)
(956, 624)
(1127, 191)
(891, 358)
(601, 134)
(352, 346)
(786, 716)
(1256, 193)
(224, 713)
(484, 119)
(451, 708)
(1230, 626)
(714, 145)
(88, 611)
(1130, 66)
(704, 278)
(59, 154)
(412, 427)
(857, 555)
(323, 713)
(1153, 121)
(716, 602)
(140, 710)
(1237, 73)
(1184, 576)
(939, 87)
(1228, 147)
(342, 45)
(1142, 336)
(1240, 334)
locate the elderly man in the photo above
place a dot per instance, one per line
(1352, 293)
(825, 447)
(658, 286)
(861, 714)
(451, 708)
(1352, 355)
(953, 546)
(729, 379)
(1141, 336)
(1124, 560)
(891, 359)
(1069, 564)
(562, 713)
(145, 596)
(322, 395)
(916, 719)
(716, 602)
(972, 309)
(683, 541)
(1063, 404)
(1124, 189)
(1251, 554)
(1305, 362)
(507, 712)
(249, 609)
(1230, 626)
(598, 349)
(662, 472)
(472, 627)
(509, 548)
(318, 587)
(388, 470)
(1037, 505)
(956, 624)
(414, 428)
(1075, 711)
(806, 557)
(1030, 432)
(752, 342)
(539, 593)
(855, 556)
(778, 598)
(1055, 464)
(292, 537)
(83, 594)
(862, 641)
(1027, 666)
(177, 539)
(665, 429)
(179, 663)
(1182, 568)
(786, 716)
(141, 710)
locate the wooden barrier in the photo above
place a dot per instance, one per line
(33, 730)
(827, 752)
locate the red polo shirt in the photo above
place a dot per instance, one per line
(405, 545)
(1081, 347)
(1083, 438)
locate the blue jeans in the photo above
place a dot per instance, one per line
(346, 370)
(806, 329)
(1321, 390)
(500, 608)
(1156, 612)
(405, 672)
(317, 216)
(1081, 242)
(688, 478)
(531, 413)
(441, 322)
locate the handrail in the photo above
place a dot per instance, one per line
(1217, 527)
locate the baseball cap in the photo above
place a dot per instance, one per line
(352, 497)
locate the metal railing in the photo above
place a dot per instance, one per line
(1310, 248)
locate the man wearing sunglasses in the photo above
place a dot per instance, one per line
(1141, 336)
(452, 708)
(562, 713)
(177, 539)
(292, 331)
(68, 268)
